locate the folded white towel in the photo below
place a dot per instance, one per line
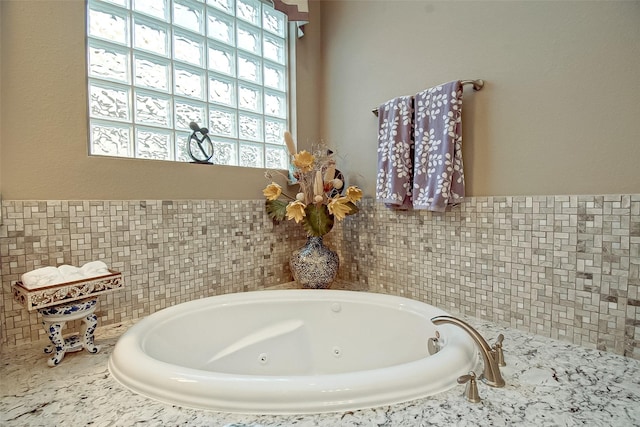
(94, 269)
(71, 273)
(48, 276)
(40, 277)
(67, 270)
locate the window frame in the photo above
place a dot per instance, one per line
(171, 130)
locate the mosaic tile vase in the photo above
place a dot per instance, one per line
(314, 265)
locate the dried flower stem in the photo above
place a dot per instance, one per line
(291, 145)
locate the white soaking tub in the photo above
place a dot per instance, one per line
(291, 351)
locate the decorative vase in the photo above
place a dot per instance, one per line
(314, 265)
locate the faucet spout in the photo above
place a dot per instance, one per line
(491, 375)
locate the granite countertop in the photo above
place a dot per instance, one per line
(549, 383)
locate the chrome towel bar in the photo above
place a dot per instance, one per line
(477, 85)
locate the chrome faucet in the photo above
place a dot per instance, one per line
(491, 375)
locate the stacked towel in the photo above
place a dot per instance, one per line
(438, 177)
(49, 276)
(70, 273)
(40, 277)
(94, 269)
(395, 152)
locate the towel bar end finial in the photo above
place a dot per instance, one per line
(478, 84)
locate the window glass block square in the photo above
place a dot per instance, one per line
(153, 144)
(275, 104)
(224, 152)
(275, 76)
(222, 90)
(274, 130)
(275, 157)
(274, 49)
(156, 8)
(220, 27)
(274, 22)
(250, 155)
(224, 5)
(222, 59)
(109, 139)
(182, 147)
(151, 36)
(249, 68)
(250, 127)
(187, 112)
(152, 72)
(188, 48)
(223, 122)
(249, 38)
(250, 97)
(109, 102)
(248, 10)
(153, 109)
(189, 82)
(108, 62)
(109, 24)
(189, 14)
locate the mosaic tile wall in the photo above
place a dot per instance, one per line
(566, 267)
(168, 251)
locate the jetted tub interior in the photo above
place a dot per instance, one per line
(291, 351)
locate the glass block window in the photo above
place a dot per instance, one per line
(154, 66)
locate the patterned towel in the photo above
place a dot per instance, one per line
(438, 178)
(395, 152)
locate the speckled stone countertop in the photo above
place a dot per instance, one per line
(549, 383)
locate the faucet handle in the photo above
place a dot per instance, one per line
(498, 353)
(471, 390)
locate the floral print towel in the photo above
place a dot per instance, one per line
(395, 152)
(438, 177)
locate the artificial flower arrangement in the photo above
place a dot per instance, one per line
(321, 197)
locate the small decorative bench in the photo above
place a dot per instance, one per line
(68, 301)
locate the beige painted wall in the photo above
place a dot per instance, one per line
(1, 97)
(44, 119)
(560, 112)
(309, 82)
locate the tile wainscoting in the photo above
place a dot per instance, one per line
(565, 267)
(168, 252)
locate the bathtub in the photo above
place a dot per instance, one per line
(291, 352)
